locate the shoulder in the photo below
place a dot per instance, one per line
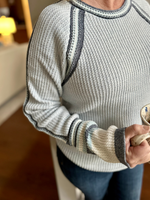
(55, 14)
(60, 8)
(143, 8)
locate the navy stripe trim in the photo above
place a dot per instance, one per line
(70, 39)
(86, 138)
(120, 147)
(79, 43)
(43, 129)
(76, 134)
(106, 16)
(70, 132)
(138, 9)
(121, 15)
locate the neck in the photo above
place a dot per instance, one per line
(105, 4)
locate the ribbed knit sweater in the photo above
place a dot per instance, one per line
(97, 63)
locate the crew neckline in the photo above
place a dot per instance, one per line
(109, 14)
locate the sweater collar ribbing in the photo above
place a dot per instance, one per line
(109, 14)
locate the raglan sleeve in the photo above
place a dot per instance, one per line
(46, 61)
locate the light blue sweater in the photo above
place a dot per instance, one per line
(98, 63)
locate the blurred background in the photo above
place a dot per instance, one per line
(27, 165)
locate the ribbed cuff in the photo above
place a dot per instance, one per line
(101, 143)
(120, 146)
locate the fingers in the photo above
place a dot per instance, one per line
(136, 129)
(139, 154)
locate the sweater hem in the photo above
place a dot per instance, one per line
(88, 161)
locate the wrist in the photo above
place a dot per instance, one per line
(122, 144)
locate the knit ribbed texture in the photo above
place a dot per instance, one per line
(99, 66)
(101, 138)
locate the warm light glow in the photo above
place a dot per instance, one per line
(26, 11)
(7, 25)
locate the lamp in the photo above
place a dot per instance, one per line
(7, 27)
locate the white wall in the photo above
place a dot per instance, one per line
(37, 6)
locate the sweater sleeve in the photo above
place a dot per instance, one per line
(46, 67)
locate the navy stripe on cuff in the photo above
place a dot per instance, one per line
(120, 147)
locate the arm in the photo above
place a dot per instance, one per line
(46, 67)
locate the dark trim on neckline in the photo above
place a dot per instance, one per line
(108, 14)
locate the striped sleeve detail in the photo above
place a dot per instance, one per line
(72, 132)
(108, 144)
(29, 116)
(102, 143)
(141, 12)
(75, 41)
(42, 104)
(81, 143)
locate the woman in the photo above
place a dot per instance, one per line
(94, 56)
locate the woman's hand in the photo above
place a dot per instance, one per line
(139, 154)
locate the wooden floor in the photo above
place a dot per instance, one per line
(26, 168)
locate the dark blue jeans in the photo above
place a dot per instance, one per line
(122, 185)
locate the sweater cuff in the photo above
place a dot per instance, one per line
(120, 146)
(101, 142)
(77, 134)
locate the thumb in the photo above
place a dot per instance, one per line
(136, 129)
